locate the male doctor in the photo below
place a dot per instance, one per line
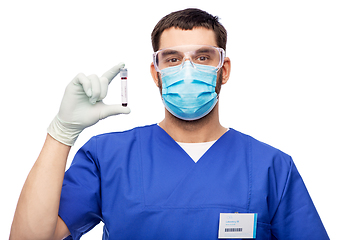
(187, 177)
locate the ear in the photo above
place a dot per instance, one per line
(226, 69)
(154, 74)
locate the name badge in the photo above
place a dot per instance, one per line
(237, 225)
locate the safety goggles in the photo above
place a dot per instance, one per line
(196, 54)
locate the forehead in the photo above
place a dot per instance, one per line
(197, 36)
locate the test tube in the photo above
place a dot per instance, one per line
(124, 94)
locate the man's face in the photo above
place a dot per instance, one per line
(173, 37)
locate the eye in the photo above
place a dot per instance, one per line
(202, 59)
(173, 60)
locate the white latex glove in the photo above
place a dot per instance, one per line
(82, 106)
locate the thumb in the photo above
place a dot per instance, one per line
(111, 110)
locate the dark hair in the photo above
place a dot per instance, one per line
(187, 19)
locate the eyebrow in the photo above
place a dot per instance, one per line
(169, 52)
(204, 50)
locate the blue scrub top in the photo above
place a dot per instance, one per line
(143, 185)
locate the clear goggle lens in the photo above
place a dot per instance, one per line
(198, 54)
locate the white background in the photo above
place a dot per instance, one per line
(294, 84)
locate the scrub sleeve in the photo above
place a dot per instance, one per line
(296, 216)
(80, 203)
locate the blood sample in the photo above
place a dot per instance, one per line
(124, 94)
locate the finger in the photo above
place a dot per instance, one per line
(112, 72)
(95, 88)
(111, 110)
(82, 80)
(104, 83)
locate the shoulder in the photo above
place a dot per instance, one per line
(261, 152)
(116, 140)
(126, 135)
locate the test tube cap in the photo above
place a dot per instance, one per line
(123, 72)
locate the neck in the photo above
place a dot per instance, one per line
(205, 129)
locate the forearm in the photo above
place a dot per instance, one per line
(36, 214)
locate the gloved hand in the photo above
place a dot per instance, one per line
(82, 106)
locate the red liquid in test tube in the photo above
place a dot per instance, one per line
(124, 94)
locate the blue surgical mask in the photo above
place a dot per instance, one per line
(188, 90)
